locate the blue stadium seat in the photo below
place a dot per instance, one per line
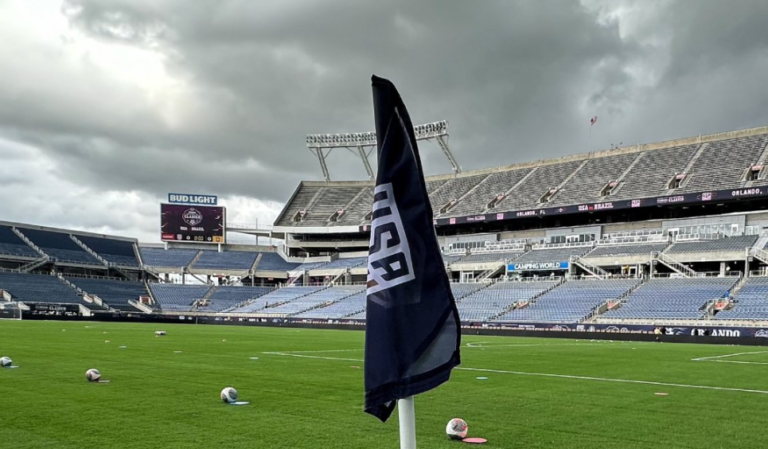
(751, 302)
(228, 260)
(159, 257)
(273, 262)
(342, 264)
(114, 293)
(179, 298)
(275, 298)
(350, 305)
(315, 300)
(34, 288)
(12, 245)
(571, 302)
(226, 297)
(664, 298)
(494, 300)
(60, 246)
(119, 252)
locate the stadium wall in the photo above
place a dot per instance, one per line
(700, 335)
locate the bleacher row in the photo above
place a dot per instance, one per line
(236, 261)
(724, 244)
(64, 248)
(712, 165)
(516, 301)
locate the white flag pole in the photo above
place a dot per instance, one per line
(407, 414)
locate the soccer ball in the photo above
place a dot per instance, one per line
(229, 395)
(456, 429)
(5, 362)
(93, 375)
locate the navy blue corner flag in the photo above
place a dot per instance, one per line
(412, 336)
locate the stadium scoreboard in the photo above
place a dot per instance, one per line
(193, 223)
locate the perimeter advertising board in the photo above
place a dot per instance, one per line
(192, 223)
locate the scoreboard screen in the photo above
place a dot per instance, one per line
(192, 223)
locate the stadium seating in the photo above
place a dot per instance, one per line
(275, 298)
(461, 290)
(358, 207)
(355, 304)
(571, 302)
(38, 288)
(357, 316)
(751, 302)
(307, 266)
(738, 243)
(499, 297)
(643, 249)
(491, 257)
(672, 298)
(527, 194)
(119, 252)
(351, 305)
(722, 163)
(713, 165)
(60, 246)
(225, 297)
(228, 260)
(159, 257)
(273, 262)
(587, 183)
(300, 201)
(12, 245)
(314, 299)
(328, 201)
(453, 190)
(114, 293)
(494, 185)
(344, 263)
(451, 259)
(552, 254)
(651, 174)
(174, 297)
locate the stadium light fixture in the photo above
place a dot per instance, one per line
(363, 143)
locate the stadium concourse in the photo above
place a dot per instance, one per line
(671, 234)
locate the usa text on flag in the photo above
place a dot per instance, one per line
(412, 326)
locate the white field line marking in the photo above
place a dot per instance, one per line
(319, 352)
(736, 361)
(286, 354)
(718, 358)
(524, 345)
(479, 344)
(557, 376)
(607, 379)
(703, 359)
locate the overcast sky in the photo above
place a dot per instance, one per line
(108, 105)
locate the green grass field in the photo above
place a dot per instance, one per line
(540, 393)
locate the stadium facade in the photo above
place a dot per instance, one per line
(671, 233)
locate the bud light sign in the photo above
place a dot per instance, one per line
(187, 198)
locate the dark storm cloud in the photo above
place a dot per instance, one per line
(518, 81)
(493, 69)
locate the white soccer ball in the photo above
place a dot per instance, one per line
(5, 362)
(457, 429)
(229, 395)
(93, 375)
